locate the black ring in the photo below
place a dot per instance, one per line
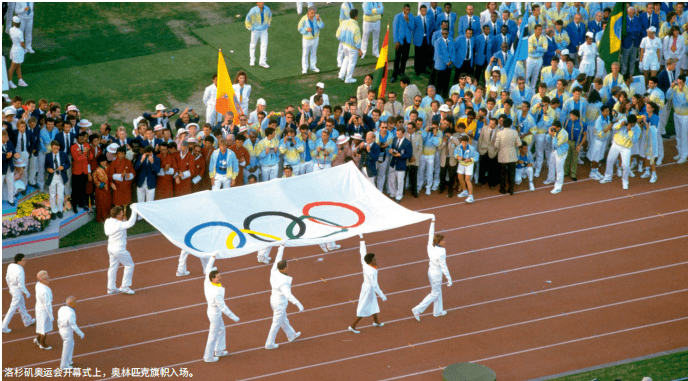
(299, 222)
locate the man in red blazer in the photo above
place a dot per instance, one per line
(82, 155)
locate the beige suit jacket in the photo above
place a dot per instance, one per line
(486, 142)
(362, 92)
(507, 143)
(395, 109)
(410, 92)
(447, 150)
(417, 143)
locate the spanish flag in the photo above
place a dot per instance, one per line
(380, 74)
(610, 44)
(226, 99)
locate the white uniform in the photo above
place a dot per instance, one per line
(44, 309)
(209, 99)
(215, 296)
(650, 59)
(243, 94)
(17, 51)
(367, 301)
(26, 17)
(181, 268)
(66, 323)
(15, 282)
(116, 231)
(280, 298)
(588, 55)
(438, 266)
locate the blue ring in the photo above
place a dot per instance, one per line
(195, 229)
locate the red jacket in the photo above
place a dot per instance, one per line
(81, 160)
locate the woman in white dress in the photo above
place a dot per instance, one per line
(44, 310)
(367, 301)
(242, 90)
(588, 54)
(438, 267)
(650, 51)
(16, 53)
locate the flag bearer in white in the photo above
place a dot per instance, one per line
(215, 295)
(116, 229)
(181, 268)
(44, 310)
(438, 267)
(279, 300)
(15, 282)
(626, 134)
(367, 301)
(66, 323)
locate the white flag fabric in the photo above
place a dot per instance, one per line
(318, 207)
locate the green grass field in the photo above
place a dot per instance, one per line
(663, 368)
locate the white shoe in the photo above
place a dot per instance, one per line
(645, 174)
(6, 330)
(441, 314)
(631, 173)
(214, 359)
(341, 77)
(675, 157)
(605, 180)
(640, 167)
(253, 63)
(658, 162)
(580, 162)
(555, 191)
(532, 186)
(463, 194)
(30, 50)
(323, 247)
(263, 260)
(378, 325)
(416, 315)
(295, 337)
(31, 322)
(12, 85)
(547, 182)
(353, 330)
(126, 290)
(634, 163)
(350, 80)
(35, 341)
(653, 179)
(221, 354)
(334, 247)
(185, 273)
(536, 174)
(680, 161)
(21, 83)
(112, 291)
(624, 186)
(265, 65)
(470, 199)
(303, 71)
(315, 69)
(427, 191)
(362, 57)
(273, 346)
(619, 173)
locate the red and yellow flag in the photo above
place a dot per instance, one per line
(226, 99)
(380, 74)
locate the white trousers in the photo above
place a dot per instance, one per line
(25, 174)
(664, 116)
(348, 63)
(426, 171)
(321, 167)
(340, 55)
(556, 169)
(395, 183)
(144, 194)
(181, 268)
(660, 146)
(306, 167)
(310, 48)
(67, 347)
(217, 341)
(435, 296)
(533, 66)
(57, 193)
(681, 126)
(368, 28)
(436, 172)
(17, 304)
(268, 172)
(8, 180)
(522, 173)
(263, 36)
(26, 27)
(247, 174)
(68, 186)
(33, 169)
(382, 169)
(279, 320)
(299, 6)
(40, 169)
(222, 182)
(125, 259)
(211, 115)
(540, 141)
(614, 153)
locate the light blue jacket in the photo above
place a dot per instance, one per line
(257, 21)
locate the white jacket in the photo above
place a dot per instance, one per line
(44, 300)
(15, 278)
(438, 256)
(66, 321)
(116, 231)
(281, 284)
(210, 95)
(215, 295)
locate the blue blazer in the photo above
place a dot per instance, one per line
(483, 50)
(576, 36)
(362, 129)
(475, 25)
(513, 29)
(402, 31)
(145, 143)
(406, 151)
(499, 56)
(36, 114)
(36, 138)
(60, 139)
(460, 47)
(663, 78)
(371, 164)
(418, 31)
(646, 22)
(64, 161)
(7, 163)
(634, 33)
(30, 141)
(551, 51)
(497, 42)
(147, 172)
(443, 53)
(594, 28)
(442, 17)
(126, 141)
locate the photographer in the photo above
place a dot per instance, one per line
(147, 168)
(560, 148)
(184, 119)
(626, 134)
(291, 149)
(307, 139)
(369, 151)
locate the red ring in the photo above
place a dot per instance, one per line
(361, 216)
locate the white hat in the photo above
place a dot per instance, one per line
(112, 148)
(494, 88)
(305, 101)
(564, 52)
(590, 34)
(160, 107)
(192, 124)
(652, 29)
(243, 129)
(10, 111)
(495, 69)
(158, 127)
(261, 101)
(84, 123)
(445, 108)
(342, 139)
(182, 131)
(136, 122)
(72, 108)
(358, 136)
(320, 85)
(191, 140)
(646, 379)
(16, 19)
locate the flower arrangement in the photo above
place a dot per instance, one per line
(33, 215)
(20, 226)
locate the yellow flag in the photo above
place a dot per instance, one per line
(226, 99)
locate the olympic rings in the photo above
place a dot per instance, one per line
(295, 221)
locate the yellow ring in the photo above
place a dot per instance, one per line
(232, 235)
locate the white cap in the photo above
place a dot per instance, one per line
(652, 29)
(160, 107)
(342, 139)
(445, 108)
(261, 101)
(10, 111)
(243, 129)
(72, 108)
(84, 123)
(564, 52)
(182, 131)
(358, 136)
(320, 85)
(158, 127)
(193, 124)
(112, 148)
(590, 34)
(494, 88)
(305, 101)
(16, 19)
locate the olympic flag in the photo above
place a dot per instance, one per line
(318, 207)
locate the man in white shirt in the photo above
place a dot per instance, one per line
(320, 90)
(486, 15)
(279, 300)
(215, 296)
(15, 282)
(24, 9)
(116, 229)
(44, 310)
(209, 99)
(66, 323)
